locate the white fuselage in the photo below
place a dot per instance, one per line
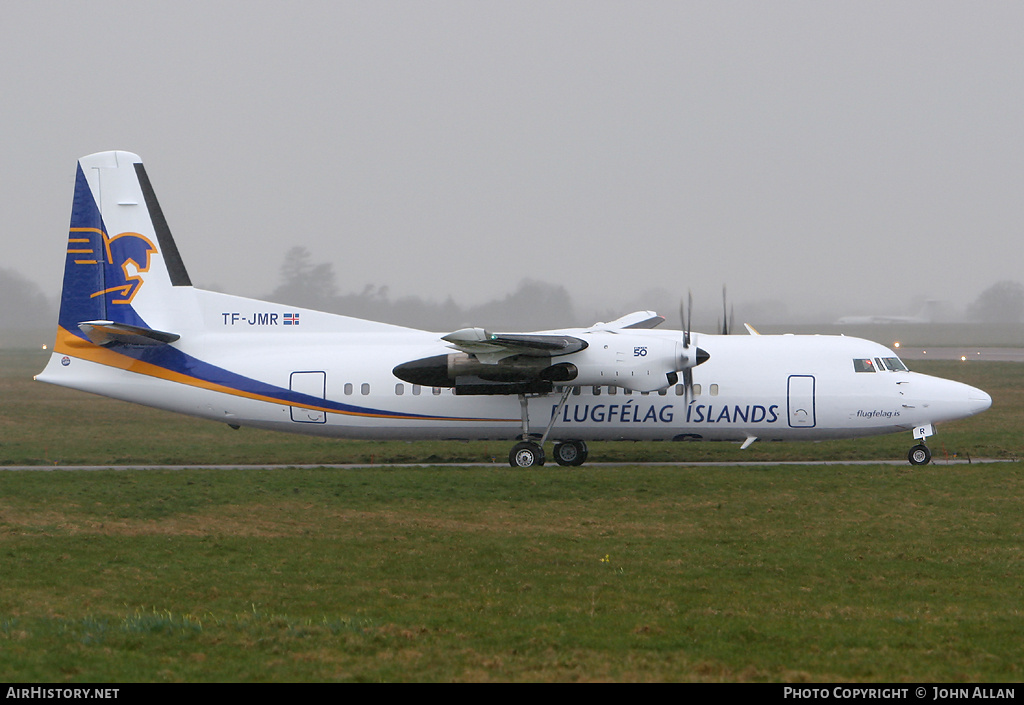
(765, 387)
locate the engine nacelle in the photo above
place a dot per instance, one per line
(468, 375)
(640, 363)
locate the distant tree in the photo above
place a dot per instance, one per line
(304, 283)
(1003, 302)
(534, 305)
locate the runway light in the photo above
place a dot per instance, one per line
(963, 358)
(896, 344)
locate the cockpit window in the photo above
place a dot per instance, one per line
(879, 364)
(894, 364)
(863, 364)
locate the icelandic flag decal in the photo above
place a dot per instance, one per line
(291, 319)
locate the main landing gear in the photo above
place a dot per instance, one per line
(529, 453)
(570, 453)
(526, 454)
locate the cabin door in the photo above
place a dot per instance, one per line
(800, 400)
(313, 384)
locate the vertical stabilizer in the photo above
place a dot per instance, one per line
(120, 253)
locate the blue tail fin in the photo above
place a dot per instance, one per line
(120, 252)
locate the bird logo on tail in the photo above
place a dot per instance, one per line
(124, 257)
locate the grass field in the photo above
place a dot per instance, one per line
(786, 573)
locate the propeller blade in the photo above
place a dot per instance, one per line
(727, 322)
(725, 312)
(686, 316)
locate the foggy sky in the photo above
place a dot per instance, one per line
(857, 156)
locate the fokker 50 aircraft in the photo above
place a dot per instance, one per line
(133, 327)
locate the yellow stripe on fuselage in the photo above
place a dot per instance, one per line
(70, 344)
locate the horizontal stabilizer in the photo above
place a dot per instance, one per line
(110, 333)
(635, 320)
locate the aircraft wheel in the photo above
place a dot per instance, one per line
(526, 455)
(919, 455)
(571, 453)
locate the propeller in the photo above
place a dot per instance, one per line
(686, 317)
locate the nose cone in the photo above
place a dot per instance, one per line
(978, 400)
(933, 399)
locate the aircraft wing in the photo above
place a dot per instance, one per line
(490, 348)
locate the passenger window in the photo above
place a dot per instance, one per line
(415, 390)
(597, 391)
(613, 390)
(364, 388)
(348, 388)
(863, 365)
(696, 390)
(436, 391)
(399, 389)
(714, 390)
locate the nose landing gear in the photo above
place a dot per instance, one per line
(919, 455)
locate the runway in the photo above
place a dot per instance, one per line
(505, 466)
(967, 354)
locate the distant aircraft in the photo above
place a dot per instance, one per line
(132, 327)
(924, 316)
